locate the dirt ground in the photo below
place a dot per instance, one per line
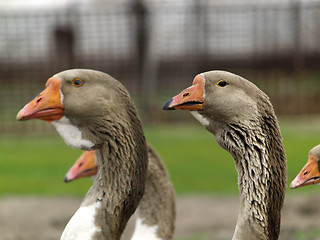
(198, 217)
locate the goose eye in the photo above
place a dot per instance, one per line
(222, 83)
(77, 82)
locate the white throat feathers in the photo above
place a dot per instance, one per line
(145, 232)
(71, 134)
(82, 224)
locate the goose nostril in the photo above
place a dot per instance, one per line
(305, 173)
(186, 94)
(39, 99)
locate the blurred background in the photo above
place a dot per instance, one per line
(155, 48)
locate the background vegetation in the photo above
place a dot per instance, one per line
(37, 164)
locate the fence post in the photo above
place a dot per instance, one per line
(145, 77)
(298, 55)
(64, 42)
(140, 15)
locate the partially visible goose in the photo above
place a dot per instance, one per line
(84, 166)
(243, 122)
(310, 173)
(93, 111)
(156, 211)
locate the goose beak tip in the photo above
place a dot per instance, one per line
(66, 180)
(20, 116)
(293, 185)
(166, 106)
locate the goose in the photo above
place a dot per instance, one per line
(156, 211)
(242, 119)
(84, 166)
(93, 111)
(310, 173)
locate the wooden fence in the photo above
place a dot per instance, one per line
(156, 49)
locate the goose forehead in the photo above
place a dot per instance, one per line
(94, 85)
(85, 74)
(213, 77)
(220, 75)
(315, 151)
(73, 73)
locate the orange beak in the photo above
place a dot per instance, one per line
(309, 174)
(191, 99)
(46, 106)
(83, 167)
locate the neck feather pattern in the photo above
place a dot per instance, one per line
(123, 158)
(257, 149)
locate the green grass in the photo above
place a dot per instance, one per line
(37, 164)
(195, 161)
(312, 234)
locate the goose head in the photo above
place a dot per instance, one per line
(84, 166)
(219, 99)
(80, 103)
(242, 119)
(310, 173)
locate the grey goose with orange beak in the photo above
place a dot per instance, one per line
(93, 111)
(243, 122)
(310, 173)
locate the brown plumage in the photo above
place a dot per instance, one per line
(156, 211)
(243, 121)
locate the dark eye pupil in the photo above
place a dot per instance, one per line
(77, 82)
(222, 83)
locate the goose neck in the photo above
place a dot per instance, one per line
(260, 163)
(119, 184)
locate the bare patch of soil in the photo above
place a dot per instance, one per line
(198, 217)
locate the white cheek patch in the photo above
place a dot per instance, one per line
(82, 224)
(61, 96)
(144, 232)
(71, 134)
(203, 120)
(204, 89)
